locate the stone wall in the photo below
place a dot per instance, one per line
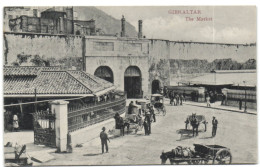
(159, 66)
(89, 52)
(58, 50)
(212, 51)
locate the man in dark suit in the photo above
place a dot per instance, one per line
(214, 126)
(104, 138)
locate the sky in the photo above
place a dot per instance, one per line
(224, 24)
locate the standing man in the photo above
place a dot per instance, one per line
(148, 120)
(152, 113)
(177, 99)
(240, 104)
(214, 126)
(122, 126)
(181, 99)
(208, 101)
(184, 96)
(145, 127)
(131, 104)
(104, 138)
(171, 97)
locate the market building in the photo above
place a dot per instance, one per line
(23, 85)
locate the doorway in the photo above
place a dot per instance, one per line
(133, 82)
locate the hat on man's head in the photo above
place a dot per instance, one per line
(103, 128)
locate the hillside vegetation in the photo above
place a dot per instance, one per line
(203, 66)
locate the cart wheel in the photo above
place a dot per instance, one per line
(205, 162)
(223, 157)
(196, 162)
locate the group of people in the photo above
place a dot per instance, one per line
(149, 117)
(176, 98)
(106, 97)
(212, 97)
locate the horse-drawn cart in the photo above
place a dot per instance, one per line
(157, 100)
(202, 154)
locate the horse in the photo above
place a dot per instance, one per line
(178, 152)
(167, 155)
(195, 124)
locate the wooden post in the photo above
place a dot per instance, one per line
(21, 108)
(35, 99)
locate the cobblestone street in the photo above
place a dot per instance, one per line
(236, 131)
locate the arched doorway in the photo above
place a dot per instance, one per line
(133, 82)
(155, 86)
(105, 73)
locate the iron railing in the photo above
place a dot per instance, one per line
(91, 114)
(249, 97)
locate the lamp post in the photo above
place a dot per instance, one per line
(245, 97)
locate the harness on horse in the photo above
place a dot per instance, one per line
(182, 152)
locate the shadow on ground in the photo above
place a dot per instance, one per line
(92, 154)
(210, 137)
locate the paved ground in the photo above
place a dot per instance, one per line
(218, 105)
(236, 131)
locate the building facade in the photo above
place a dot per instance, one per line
(59, 20)
(138, 65)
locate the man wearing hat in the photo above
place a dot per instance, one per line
(104, 138)
(148, 121)
(214, 126)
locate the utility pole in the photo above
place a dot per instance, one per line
(245, 97)
(35, 99)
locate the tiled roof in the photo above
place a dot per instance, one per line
(58, 82)
(18, 85)
(26, 70)
(91, 81)
(55, 82)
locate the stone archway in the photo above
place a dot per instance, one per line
(155, 86)
(105, 73)
(133, 82)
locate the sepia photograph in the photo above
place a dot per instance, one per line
(129, 85)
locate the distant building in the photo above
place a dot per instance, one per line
(238, 86)
(56, 20)
(219, 79)
(16, 12)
